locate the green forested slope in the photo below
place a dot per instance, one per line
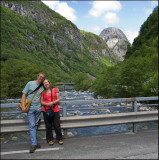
(28, 47)
(137, 75)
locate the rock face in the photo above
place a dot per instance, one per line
(116, 40)
(45, 17)
(66, 35)
(97, 46)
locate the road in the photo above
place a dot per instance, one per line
(129, 145)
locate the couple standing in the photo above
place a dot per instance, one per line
(43, 97)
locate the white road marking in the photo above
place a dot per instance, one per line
(27, 151)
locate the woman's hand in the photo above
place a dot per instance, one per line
(50, 104)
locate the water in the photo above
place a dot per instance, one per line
(11, 111)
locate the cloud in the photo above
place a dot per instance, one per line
(148, 11)
(111, 18)
(62, 8)
(51, 4)
(154, 3)
(66, 11)
(106, 26)
(96, 28)
(99, 7)
(131, 35)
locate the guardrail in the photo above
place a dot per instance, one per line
(8, 126)
(21, 125)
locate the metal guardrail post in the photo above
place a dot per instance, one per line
(135, 110)
(63, 87)
(65, 110)
(65, 115)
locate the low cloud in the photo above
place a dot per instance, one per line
(148, 11)
(111, 18)
(66, 11)
(131, 35)
(99, 7)
(63, 9)
(153, 5)
(96, 28)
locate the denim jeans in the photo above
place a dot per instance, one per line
(33, 118)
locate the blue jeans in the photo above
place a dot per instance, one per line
(33, 118)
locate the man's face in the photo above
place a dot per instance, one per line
(41, 78)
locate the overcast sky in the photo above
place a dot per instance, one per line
(94, 16)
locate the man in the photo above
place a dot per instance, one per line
(35, 107)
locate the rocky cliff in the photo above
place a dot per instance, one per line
(36, 39)
(66, 35)
(116, 40)
(39, 13)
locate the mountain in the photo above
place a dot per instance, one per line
(148, 38)
(137, 75)
(116, 40)
(35, 38)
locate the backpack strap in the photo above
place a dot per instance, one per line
(36, 89)
(34, 95)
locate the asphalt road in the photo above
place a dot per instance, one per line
(141, 145)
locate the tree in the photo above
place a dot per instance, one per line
(82, 81)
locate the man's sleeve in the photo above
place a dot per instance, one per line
(26, 89)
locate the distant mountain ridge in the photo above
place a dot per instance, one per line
(116, 40)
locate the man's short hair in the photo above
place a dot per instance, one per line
(41, 73)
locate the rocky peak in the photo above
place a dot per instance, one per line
(116, 40)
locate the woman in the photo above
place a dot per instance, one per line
(47, 104)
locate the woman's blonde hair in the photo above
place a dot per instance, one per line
(50, 87)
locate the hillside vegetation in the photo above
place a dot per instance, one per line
(36, 39)
(41, 40)
(137, 75)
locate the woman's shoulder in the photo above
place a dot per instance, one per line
(55, 90)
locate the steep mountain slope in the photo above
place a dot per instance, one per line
(116, 40)
(147, 36)
(137, 75)
(34, 38)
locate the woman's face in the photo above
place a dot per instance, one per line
(46, 84)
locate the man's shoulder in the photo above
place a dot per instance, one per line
(31, 82)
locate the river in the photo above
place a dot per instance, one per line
(11, 111)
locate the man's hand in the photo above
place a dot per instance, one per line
(23, 109)
(23, 103)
